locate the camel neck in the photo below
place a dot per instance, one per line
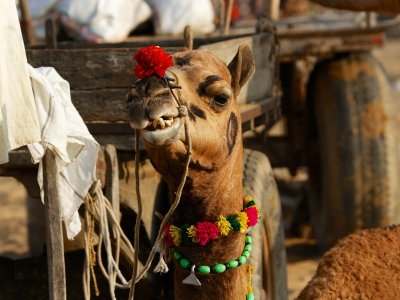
(206, 195)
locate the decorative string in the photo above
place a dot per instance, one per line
(204, 231)
(249, 270)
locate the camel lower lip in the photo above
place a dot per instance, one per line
(164, 136)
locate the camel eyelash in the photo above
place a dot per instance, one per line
(221, 100)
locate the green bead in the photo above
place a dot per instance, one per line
(248, 239)
(248, 247)
(204, 269)
(184, 263)
(219, 268)
(246, 254)
(250, 296)
(242, 260)
(233, 264)
(177, 255)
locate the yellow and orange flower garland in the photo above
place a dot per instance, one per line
(203, 232)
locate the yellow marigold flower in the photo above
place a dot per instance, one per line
(191, 232)
(223, 225)
(242, 220)
(175, 233)
(248, 199)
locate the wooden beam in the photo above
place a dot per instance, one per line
(106, 105)
(51, 33)
(228, 16)
(55, 245)
(26, 21)
(89, 69)
(273, 9)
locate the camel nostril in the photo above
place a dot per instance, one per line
(151, 87)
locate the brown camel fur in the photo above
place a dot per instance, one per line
(386, 6)
(214, 182)
(365, 265)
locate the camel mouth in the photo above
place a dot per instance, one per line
(162, 131)
(161, 123)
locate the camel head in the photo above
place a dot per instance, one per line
(208, 89)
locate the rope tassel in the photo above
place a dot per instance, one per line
(161, 266)
(250, 292)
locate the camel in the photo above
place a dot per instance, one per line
(364, 265)
(208, 89)
(384, 6)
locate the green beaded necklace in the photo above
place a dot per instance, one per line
(216, 269)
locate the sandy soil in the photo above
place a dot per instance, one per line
(21, 221)
(302, 258)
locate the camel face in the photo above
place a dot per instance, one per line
(208, 89)
(154, 111)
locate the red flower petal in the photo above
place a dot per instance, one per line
(152, 60)
(206, 231)
(252, 215)
(168, 238)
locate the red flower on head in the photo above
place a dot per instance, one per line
(252, 214)
(152, 60)
(206, 231)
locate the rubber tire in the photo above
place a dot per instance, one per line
(354, 154)
(269, 275)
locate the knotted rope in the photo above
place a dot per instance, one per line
(159, 243)
(99, 209)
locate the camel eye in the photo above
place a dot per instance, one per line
(221, 100)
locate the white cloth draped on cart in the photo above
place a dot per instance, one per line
(63, 131)
(171, 16)
(18, 120)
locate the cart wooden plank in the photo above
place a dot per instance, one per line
(106, 105)
(294, 45)
(89, 69)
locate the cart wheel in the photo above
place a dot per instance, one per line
(268, 256)
(354, 156)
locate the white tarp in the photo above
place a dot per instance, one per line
(171, 16)
(91, 20)
(111, 21)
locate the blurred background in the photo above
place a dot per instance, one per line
(312, 43)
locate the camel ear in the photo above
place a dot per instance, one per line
(241, 67)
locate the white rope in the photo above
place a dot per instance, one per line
(98, 208)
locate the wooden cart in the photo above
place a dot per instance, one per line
(341, 123)
(101, 75)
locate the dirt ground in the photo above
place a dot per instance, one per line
(302, 253)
